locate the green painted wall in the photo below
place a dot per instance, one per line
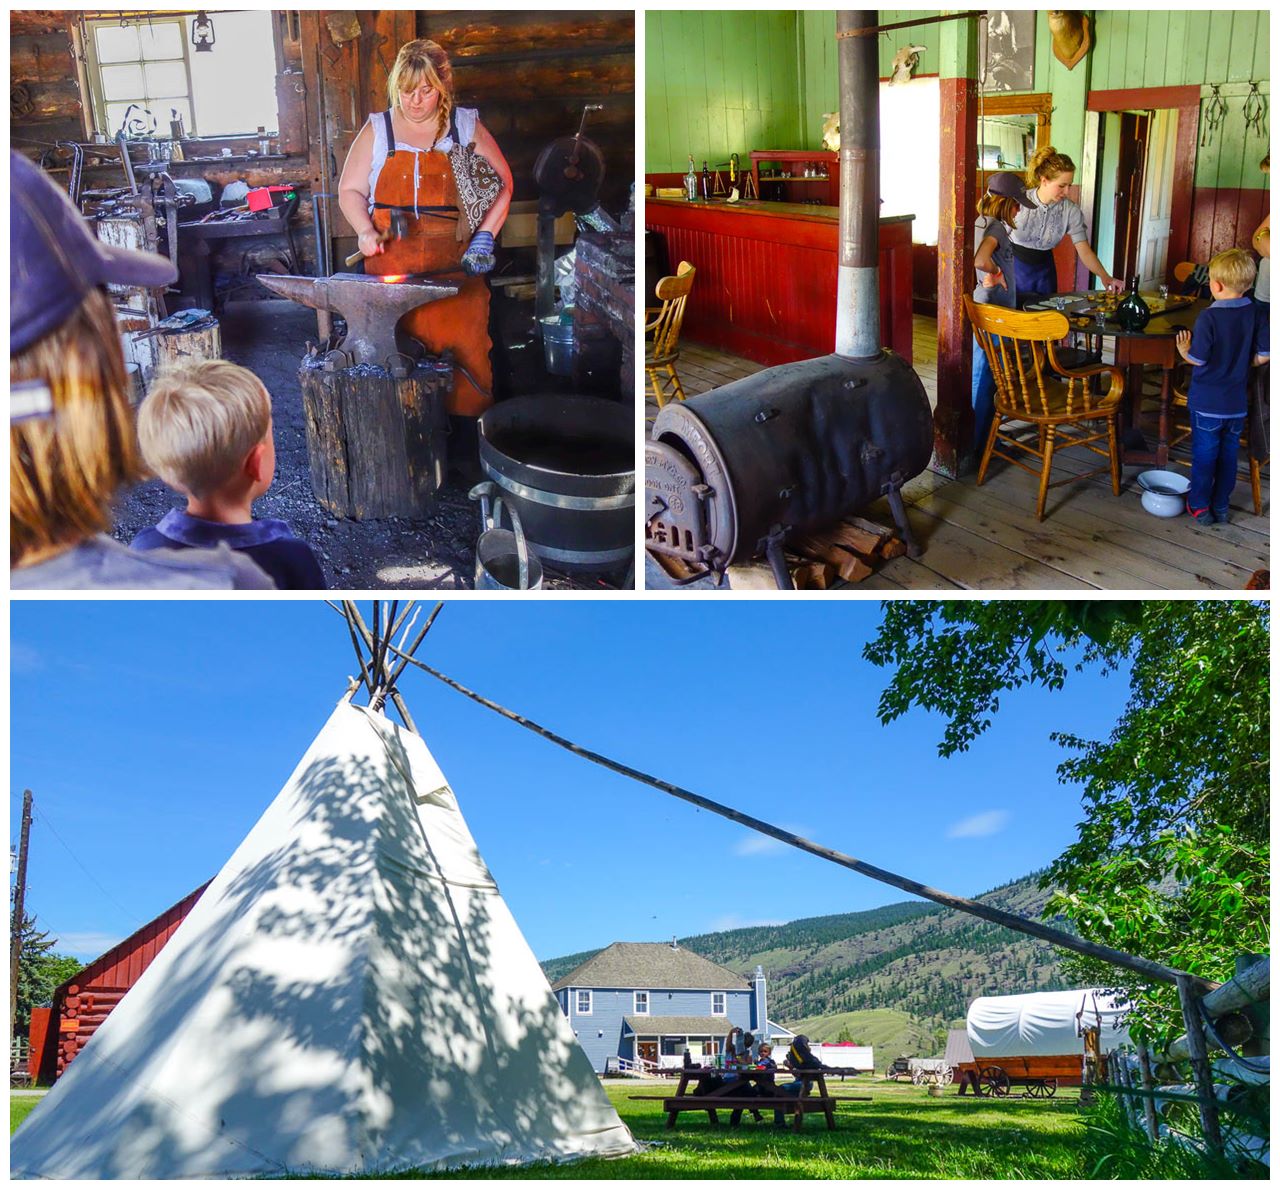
(722, 82)
(1184, 49)
(718, 83)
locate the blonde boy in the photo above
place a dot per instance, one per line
(1229, 337)
(205, 429)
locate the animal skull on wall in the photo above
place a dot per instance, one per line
(904, 62)
(831, 131)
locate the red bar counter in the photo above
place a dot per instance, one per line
(766, 283)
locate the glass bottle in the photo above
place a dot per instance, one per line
(691, 183)
(706, 183)
(1133, 313)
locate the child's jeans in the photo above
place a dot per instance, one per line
(984, 403)
(1215, 446)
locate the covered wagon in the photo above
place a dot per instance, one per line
(1039, 1041)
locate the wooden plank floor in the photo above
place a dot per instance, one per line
(987, 538)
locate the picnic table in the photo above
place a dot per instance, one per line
(739, 1092)
(1134, 350)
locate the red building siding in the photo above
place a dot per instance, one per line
(1224, 218)
(82, 1003)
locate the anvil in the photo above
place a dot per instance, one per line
(370, 305)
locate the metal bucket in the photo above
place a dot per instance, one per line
(557, 343)
(567, 465)
(503, 560)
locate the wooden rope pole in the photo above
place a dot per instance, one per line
(1023, 925)
(1200, 1063)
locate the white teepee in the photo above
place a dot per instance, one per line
(350, 994)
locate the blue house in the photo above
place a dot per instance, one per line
(650, 1001)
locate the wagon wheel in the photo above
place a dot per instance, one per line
(1038, 1089)
(1051, 1087)
(946, 1076)
(917, 1077)
(995, 1080)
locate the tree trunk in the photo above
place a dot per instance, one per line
(376, 442)
(177, 346)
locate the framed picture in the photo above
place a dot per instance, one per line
(1007, 50)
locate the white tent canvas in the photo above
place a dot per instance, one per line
(1042, 1024)
(350, 994)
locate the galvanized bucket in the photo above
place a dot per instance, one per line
(504, 561)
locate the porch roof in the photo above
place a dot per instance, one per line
(678, 1026)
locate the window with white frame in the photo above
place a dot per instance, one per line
(149, 65)
(641, 1005)
(583, 1002)
(717, 1004)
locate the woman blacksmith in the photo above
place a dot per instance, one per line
(404, 160)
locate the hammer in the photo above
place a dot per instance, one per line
(399, 224)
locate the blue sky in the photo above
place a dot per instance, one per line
(154, 734)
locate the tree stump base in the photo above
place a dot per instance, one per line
(376, 442)
(176, 346)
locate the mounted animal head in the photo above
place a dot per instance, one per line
(1072, 37)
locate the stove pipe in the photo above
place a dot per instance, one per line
(858, 283)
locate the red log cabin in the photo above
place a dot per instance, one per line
(80, 1005)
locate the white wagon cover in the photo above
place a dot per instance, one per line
(351, 994)
(1042, 1024)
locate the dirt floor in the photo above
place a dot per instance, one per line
(438, 553)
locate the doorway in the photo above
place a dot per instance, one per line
(1154, 265)
(647, 1051)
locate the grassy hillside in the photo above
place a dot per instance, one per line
(917, 962)
(890, 1031)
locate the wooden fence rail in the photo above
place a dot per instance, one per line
(1234, 1015)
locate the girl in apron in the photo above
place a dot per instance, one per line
(402, 161)
(1040, 229)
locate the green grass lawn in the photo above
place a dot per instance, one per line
(20, 1107)
(902, 1133)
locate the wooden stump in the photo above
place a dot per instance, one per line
(376, 443)
(175, 346)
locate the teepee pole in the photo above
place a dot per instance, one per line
(355, 643)
(358, 623)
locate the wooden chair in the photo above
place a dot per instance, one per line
(1187, 284)
(1034, 385)
(1181, 429)
(662, 352)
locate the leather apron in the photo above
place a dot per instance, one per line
(432, 244)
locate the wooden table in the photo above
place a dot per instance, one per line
(1154, 344)
(738, 1093)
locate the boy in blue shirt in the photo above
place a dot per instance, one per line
(205, 429)
(1229, 337)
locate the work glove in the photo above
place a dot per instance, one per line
(478, 258)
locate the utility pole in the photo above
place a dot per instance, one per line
(19, 896)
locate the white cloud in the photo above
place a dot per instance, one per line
(23, 659)
(86, 946)
(978, 826)
(755, 843)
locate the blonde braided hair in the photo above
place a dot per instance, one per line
(422, 61)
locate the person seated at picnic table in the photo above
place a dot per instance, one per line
(762, 1088)
(799, 1057)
